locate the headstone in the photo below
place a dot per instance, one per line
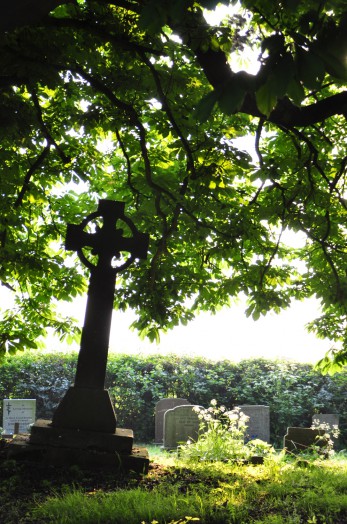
(160, 408)
(180, 424)
(87, 405)
(331, 419)
(300, 439)
(18, 415)
(258, 425)
(326, 418)
(107, 242)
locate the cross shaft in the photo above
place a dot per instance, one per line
(107, 244)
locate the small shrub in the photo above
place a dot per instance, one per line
(324, 445)
(222, 436)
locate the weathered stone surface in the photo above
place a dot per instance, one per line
(160, 409)
(258, 423)
(300, 439)
(44, 433)
(180, 424)
(21, 449)
(86, 409)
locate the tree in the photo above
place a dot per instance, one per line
(141, 101)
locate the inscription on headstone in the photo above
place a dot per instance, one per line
(258, 422)
(180, 424)
(160, 409)
(18, 414)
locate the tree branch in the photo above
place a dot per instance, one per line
(20, 13)
(44, 128)
(38, 162)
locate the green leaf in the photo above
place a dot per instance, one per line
(335, 65)
(152, 17)
(276, 85)
(296, 91)
(266, 98)
(311, 68)
(205, 106)
(232, 97)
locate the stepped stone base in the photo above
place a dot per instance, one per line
(44, 433)
(60, 446)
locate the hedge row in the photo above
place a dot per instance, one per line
(293, 391)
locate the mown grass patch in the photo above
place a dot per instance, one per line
(279, 491)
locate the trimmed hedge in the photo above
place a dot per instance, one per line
(294, 391)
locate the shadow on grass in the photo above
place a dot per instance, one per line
(280, 491)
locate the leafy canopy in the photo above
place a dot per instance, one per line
(146, 102)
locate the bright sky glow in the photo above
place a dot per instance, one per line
(248, 61)
(227, 335)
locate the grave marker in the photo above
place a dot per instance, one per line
(87, 405)
(160, 409)
(330, 419)
(258, 422)
(180, 424)
(18, 415)
(326, 418)
(298, 439)
(83, 427)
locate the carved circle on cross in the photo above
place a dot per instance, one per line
(107, 242)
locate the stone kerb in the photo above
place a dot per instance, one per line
(160, 409)
(180, 424)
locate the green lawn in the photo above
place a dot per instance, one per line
(282, 490)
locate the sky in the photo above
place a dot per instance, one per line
(228, 334)
(231, 335)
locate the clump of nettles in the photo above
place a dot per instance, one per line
(324, 444)
(221, 437)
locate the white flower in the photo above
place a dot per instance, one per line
(213, 402)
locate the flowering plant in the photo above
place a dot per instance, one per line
(221, 435)
(324, 442)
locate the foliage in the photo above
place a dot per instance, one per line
(294, 392)
(325, 443)
(277, 492)
(222, 437)
(146, 102)
(32, 376)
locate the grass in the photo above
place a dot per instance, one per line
(283, 490)
(122, 507)
(280, 491)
